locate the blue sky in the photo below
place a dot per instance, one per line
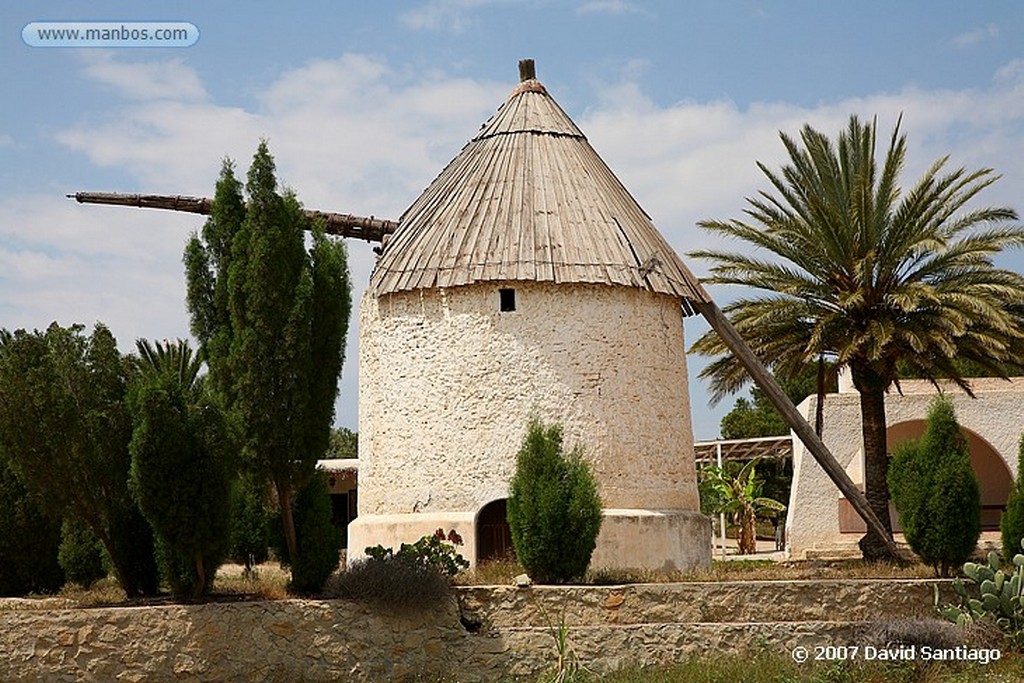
(364, 102)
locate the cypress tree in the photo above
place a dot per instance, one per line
(80, 554)
(272, 318)
(937, 493)
(1012, 523)
(554, 512)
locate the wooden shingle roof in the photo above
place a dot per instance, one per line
(528, 198)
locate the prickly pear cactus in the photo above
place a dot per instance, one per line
(995, 594)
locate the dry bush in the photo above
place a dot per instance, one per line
(924, 631)
(393, 584)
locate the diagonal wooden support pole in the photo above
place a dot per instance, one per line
(759, 373)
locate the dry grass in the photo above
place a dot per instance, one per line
(494, 573)
(100, 593)
(265, 582)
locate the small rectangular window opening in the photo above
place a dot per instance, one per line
(508, 299)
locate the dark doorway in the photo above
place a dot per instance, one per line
(343, 511)
(493, 537)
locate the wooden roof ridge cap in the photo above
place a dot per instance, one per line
(531, 131)
(529, 85)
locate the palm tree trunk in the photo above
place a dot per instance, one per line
(876, 467)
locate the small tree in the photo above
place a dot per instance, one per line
(554, 511)
(250, 523)
(740, 496)
(936, 492)
(1012, 522)
(344, 443)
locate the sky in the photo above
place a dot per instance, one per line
(363, 103)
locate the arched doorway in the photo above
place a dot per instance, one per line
(994, 478)
(493, 537)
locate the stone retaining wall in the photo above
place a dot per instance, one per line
(512, 634)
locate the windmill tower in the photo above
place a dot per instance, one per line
(526, 281)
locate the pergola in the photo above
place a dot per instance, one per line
(722, 450)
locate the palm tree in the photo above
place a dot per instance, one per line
(175, 359)
(870, 277)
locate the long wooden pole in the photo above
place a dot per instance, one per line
(346, 225)
(759, 373)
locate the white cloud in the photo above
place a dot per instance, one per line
(348, 134)
(612, 7)
(72, 263)
(6, 141)
(1012, 71)
(695, 160)
(975, 36)
(455, 16)
(163, 80)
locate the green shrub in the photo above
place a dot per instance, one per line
(936, 492)
(554, 511)
(28, 540)
(80, 555)
(319, 542)
(417, 576)
(1012, 522)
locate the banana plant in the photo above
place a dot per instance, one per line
(740, 496)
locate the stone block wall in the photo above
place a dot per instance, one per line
(512, 632)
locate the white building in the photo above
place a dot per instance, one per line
(526, 281)
(821, 519)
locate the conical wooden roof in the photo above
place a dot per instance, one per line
(528, 198)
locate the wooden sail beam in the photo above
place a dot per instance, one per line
(346, 225)
(764, 379)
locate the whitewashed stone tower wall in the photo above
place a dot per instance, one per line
(526, 282)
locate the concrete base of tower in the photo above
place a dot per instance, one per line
(391, 531)
(659, 540)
